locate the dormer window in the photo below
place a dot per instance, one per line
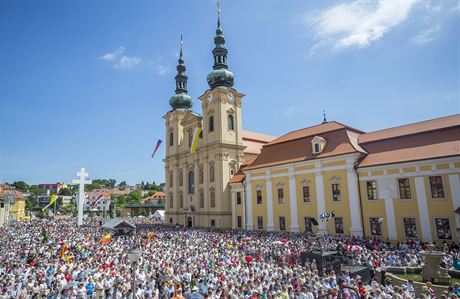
(318, 144)
(317, 148)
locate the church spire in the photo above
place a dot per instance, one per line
(220, 76)
(181, 100)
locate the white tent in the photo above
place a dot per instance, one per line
(159, 214)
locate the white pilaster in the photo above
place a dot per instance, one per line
(234, 224)
(320, 201)
(424, 217)
(455, 193)
(293, 201)
(355, 206)
(268, 190)
(386, 188)
(248, 203)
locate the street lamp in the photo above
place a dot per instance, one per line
(134, 255)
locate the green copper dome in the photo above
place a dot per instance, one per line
(220, 76)
(181, 100)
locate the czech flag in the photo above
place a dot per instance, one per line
(196, 136)
(156, 147)
(106, 240)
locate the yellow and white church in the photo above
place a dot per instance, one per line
(394, 184)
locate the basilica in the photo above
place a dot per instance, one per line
(329, 178)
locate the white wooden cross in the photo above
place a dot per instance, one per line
(81, 193)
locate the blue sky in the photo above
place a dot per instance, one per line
(86, 83)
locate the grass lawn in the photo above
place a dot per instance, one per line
(418, 277)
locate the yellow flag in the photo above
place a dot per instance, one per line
(196, 136)
(52, 200)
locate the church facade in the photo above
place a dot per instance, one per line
(394, 184)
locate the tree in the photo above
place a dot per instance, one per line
(123, 184)
(161, 187)
(67, 191)
(30, 202)
(134, 197)
(21, 186)
(70, 209)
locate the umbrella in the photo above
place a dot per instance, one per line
(249, 259)
(284, 240)
(277, 243)
(247, 239)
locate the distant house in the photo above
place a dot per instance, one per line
(98, 199)
(15, 210)
(157, 196)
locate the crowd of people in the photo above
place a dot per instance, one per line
(55, 259)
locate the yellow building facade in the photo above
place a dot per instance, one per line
(393, 184)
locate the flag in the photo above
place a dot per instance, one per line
(97, 200)
(64, 248)
(156, 147)
(196, 136)
(105, 240)
(151, 236)
(52, 200)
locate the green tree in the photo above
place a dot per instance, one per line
(69, 191)
(123, 184)
(33, 189)
(21, 186)
(31, 202)
(161, 187)
(134, 197)
(70, 209)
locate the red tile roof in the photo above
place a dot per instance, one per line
(414, 128)
(296, 146)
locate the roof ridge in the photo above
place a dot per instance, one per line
(415, 123)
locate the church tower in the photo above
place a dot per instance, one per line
(222, 138)
(197, 177)
(181, 104)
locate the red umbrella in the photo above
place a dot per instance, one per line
(249, 259)
(284, 240)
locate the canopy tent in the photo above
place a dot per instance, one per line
(159, 214)
(119, 226)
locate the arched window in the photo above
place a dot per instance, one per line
(171, 201)
(211, 123)
(213, 198)
(230, 122)
(171, 179)
(171, 138)
(211, 172)
(191, 182)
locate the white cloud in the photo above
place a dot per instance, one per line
(357, 23)
(120, 61)
(427, 35)
(162, 70)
